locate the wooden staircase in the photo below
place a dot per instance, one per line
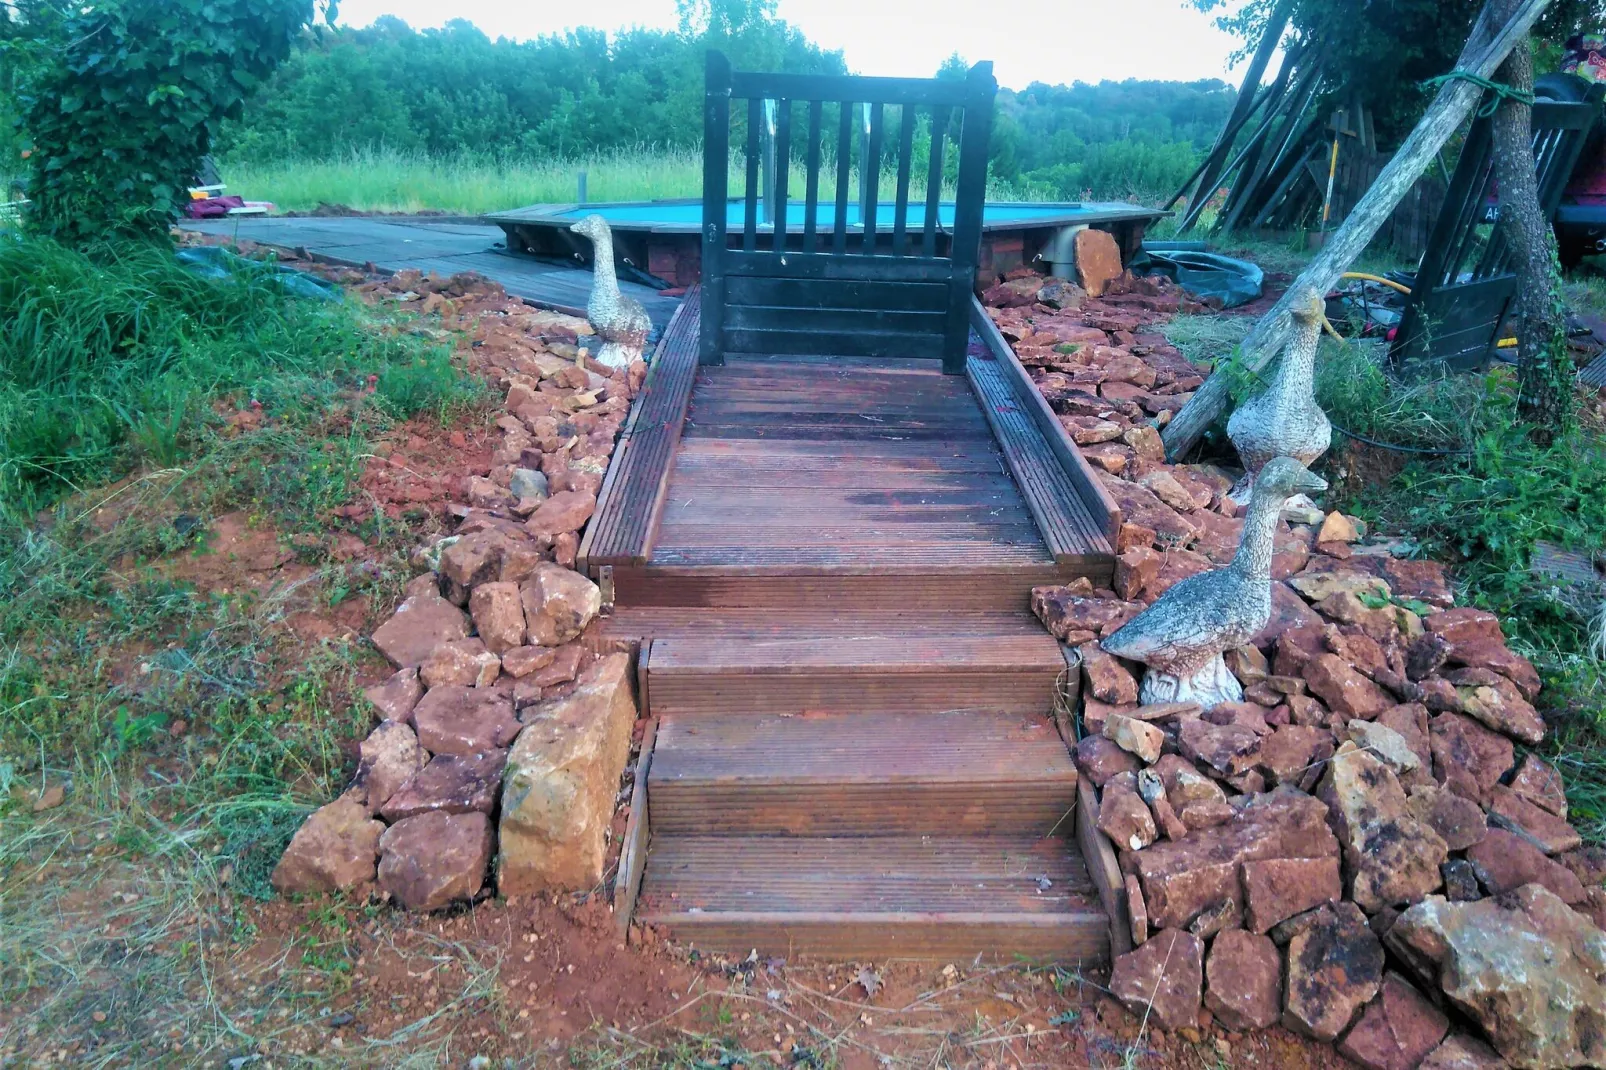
(826, 568)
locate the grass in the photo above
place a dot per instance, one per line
(382, 180)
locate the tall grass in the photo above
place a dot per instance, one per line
(384, 180)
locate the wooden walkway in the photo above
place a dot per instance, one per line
(826, 564)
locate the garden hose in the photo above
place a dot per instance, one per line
(1504, 343)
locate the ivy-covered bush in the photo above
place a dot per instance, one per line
(126, 106)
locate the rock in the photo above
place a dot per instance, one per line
(1410, 721)
(1225, 915)
(1098, 260)
(1319, 586)
(1098, 759)
(561, 780)
(1136, 913)
(451, 784)
(564, 511)
(1394, 857)
(1239, 714)
(1163, 485)
(336, 849)
(1464, 624)
(1498, 703)
(1290, 751)
(564, 666)
(1335, 966)
(1074, 617)
(1529, 969)
(1125, 819)
(49, 798)
(1458, 821)
(1397, 1030)
(1345, 691)
(1426, 655)
(1492, 654)
(1243, 981)
(1460, 881)
(1184, 784)
(522, 661)
(1540, 827)
(1505, 862)
(1145, 442)
(1382, 742)
(1181, 878)
(1161, 981)
(1337, 527)
(1105, 677)
(1247, 663)
(1205, 815)
(1539, 783)
(388, 758)
(1588, 864)
(433, 859)
(1288, 612)
(498, 616)
(453, 719)
(1277, 889)
(1228, 749)
(1136, 570)
(558, 603)
(1467, 757)
(1134, 736)
(464, 662)
(1419, 580)
(1461, 1052)
(421, 623)
(528, 485)
(396, 697)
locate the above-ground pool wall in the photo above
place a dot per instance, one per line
(675, 257)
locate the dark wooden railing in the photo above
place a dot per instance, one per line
(792, 285)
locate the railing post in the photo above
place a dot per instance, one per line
(766, 188)
(865, 163)
(716, 180)
(969, 200)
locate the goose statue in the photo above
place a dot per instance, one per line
(618, 319)
(1181, 636)
(1284, 420)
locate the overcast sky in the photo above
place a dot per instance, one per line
(1072, 40)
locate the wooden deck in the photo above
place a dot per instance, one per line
(826, 564)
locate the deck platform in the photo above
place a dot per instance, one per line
(826, 564)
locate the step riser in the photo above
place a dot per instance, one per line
(1074, 938)
(860, 810)
(954, 592)
(859, 692)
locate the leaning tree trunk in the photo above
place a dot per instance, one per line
(1544, 370)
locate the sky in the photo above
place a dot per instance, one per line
(1073, 40)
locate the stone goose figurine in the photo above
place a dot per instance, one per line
(1182, 635)
(619, 320)
(1284, 420)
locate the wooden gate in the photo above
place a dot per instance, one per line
(1466, 282)
(821, 282)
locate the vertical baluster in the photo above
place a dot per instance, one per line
(844, 177)
(811, 184)
(783, 171)
(939, 136)
(755, 119)
(900, 209)
(870, 178)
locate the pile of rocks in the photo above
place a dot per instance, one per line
(503, 732)
(1363, 847)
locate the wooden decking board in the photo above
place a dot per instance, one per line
(674, 622)
(868, 652)
(629, 503)
(842, 582)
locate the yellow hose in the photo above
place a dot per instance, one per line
(1404, 289)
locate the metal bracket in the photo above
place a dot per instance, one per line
(605, 583)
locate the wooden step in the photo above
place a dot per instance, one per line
(635, 623)
(1003, 898)
(861, 774)
(865, 673)
(949, 577)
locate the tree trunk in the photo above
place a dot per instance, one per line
(1544, 370)
(1492, 38)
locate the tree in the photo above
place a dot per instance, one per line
(127, 102)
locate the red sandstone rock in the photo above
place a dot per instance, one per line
(1335, 966)
(1345, 691)
(1468, 758)
(1098, 260)
(1243, 978)
(396, 697)
(1542, 828)
(522, 661)
(1458, 821)
(1461, 1052)
(1070, 616)
(1498, 703)
(1288, 613)
(558, 604)
(1279, 888)
(464, 662)
(566, 510)
(1105, 677)
(1099, 760)
(430, 860)
(1136, 570)
(1394, 857)
(1465, 624)
(334, 850)
(465, 720)
(450, 784)
(1134, 736)
(1485, 653)
(1588, 865)
(1288, 752)
(564, 666)
(498, 616)
(1161, 981)
(1505, 862)
(1125, 818)
(1228, 749)
(1539, 783)
(388, 758)
(422, 622)
(1397, 1030)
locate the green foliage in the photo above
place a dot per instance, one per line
(113, 358)
(123, 110)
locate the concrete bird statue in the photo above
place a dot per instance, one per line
(1284, 420)
(619, 320)
(1181, 637)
